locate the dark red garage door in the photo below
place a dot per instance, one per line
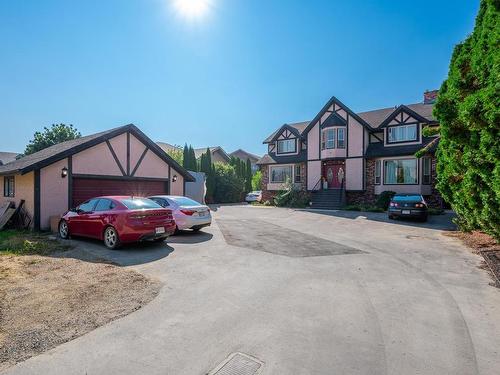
(86, 188)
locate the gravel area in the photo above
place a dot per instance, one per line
(46, 301)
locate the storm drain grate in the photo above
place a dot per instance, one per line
(238, 364)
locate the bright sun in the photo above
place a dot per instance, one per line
(192, 8)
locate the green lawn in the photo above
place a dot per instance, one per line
(13, 242)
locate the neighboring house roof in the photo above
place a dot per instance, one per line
(243, 155)
(62, 150)
(167, 147)
(298, 127)
(379, 150)
(7, 157)
(200, 151)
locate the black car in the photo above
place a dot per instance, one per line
(408, 205)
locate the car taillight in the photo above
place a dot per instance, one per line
(188, 212)
(394, 204)
(419, 205)
(137, 216)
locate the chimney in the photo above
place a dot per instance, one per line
(430, 96)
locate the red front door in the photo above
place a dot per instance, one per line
(334, 174)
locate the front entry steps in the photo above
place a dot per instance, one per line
(328, 199)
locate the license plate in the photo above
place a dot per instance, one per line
(405, 212)
(160, 230)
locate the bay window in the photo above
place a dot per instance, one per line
(287, 146)
(340, 138)
(333, 138)
(400, 172)
(280, 173)
(402, 133)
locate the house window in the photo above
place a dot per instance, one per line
(377, 171)
(426, 171)
(298, 175)
(340, 138)
(402, 133)
(8, 186)
(328, 139)
(287, 146)
(281, 173)
(400, 172)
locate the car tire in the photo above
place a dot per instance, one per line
(63, 229)
(111, 239)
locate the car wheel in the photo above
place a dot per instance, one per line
(63, 229)
(111, 239)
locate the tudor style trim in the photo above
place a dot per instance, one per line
(129, 129)
(119, 178)
(143, 155)
(285, 127)
(128, 153)
(116, 157)
(401, 110)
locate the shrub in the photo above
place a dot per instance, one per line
(268, 203)
(468, 112)
(374, 209)
(257, 181)
(384, 199)
(228, 187)
(291, 197)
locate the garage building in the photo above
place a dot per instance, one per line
(120, 161)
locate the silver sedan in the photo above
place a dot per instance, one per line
(188, 214)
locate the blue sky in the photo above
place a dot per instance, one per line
(228, 78)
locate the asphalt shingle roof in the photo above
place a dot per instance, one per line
(7, 157)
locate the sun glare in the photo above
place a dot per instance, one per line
(192, 8)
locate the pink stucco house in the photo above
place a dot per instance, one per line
(347, 157)
(120, 161)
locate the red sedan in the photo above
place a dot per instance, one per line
(118, 220)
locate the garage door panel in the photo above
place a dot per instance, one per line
(86, 188)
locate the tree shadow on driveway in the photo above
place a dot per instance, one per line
(437, 222)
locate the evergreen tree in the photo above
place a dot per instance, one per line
(468, 111)
(248, 177)
(185, 156)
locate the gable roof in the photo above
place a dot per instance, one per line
(371, 120)
(200, 151)
(62, 150)
(248, 155)
(168, 147)
(378, 117)
(7, 157)
(297, 128)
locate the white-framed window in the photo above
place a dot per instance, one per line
(9, 186)
(328, 139)
(400, 172)
(402, 133)
(287, 146)
(378, 169)
(426, 171)
(280, 174)
(298, 174)
(340, 138)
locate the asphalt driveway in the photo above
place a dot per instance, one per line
(304, 293)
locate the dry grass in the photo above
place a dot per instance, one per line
(46, 300)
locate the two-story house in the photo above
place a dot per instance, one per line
(358, 154)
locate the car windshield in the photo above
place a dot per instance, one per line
(139, 203)
(407, 198)
(183, 201)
